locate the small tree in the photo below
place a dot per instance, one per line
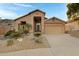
(73, 8)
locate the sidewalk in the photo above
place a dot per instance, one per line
(31, 52)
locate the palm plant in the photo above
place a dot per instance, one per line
(28, 26)
(25, 28)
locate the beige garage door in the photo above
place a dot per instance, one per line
(54, 29)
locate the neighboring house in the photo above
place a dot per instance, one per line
(5, 25)
(40, 23)
(72, 25)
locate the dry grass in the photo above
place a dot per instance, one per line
(27, 43)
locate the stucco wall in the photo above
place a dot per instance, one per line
(72, 26)
(29, 19)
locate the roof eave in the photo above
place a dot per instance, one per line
(30, 13)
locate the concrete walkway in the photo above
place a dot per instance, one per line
(61, 45)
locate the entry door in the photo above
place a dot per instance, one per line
(37, 24)
(38, 27)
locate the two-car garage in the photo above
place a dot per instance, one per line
(54, 26)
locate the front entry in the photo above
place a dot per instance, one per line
(37, 24)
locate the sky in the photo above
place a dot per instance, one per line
(15, 10)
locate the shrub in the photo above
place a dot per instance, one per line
(10, 42)
(12, 34)
(15, 35)
(66, 32)
(38, 41)
(37, 34)
(9, 33)
(26, 32)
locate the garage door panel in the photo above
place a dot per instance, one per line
(54, 29)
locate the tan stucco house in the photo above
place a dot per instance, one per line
(40, 23)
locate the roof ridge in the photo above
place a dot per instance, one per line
(52, 18)
(30, 13)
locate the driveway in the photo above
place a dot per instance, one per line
(63, 45)
(60, 45)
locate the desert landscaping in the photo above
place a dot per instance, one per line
(23, 43)
(34, 34)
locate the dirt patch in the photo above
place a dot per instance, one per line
(27, 43)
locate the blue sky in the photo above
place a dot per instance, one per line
(14, 10)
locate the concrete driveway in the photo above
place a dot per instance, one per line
(63, 45)
(60, 45)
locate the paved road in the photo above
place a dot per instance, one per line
(61, 45)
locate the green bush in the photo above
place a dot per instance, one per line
(26, 32)
(9, 33)
(12, 34)
(38, 41)
(10, 42)
(15, 35)
(37, 34)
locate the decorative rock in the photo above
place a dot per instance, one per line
(20, 39)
